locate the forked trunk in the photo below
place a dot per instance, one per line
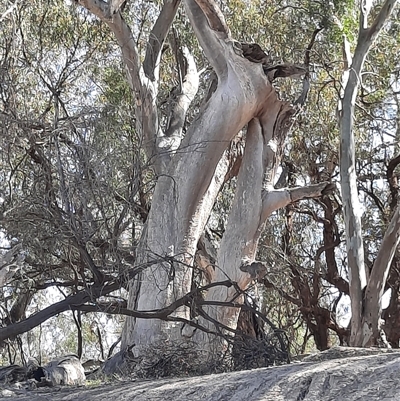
(183, 200)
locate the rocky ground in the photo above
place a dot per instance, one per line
(346, 374)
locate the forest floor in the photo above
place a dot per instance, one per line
(347, 374)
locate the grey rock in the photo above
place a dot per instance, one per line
(7, 393)
(355, 378)
(67, 370)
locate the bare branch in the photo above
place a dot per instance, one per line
(381, 19)
(365, 8)
(190, 85)
(9, 11)
(311, 191)
(123, 35)
(211, 31)
(301, 100)
(145, 90)
(347, 57)
(286, 70)
(117, 5)
(214, 16)
(352, 215)
(98, 7)
(276, 199)
(367, 36)
(53, 310)
(170, 142)
(393, 181)
(79, 302)
(157, 38)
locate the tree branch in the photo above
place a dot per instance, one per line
(367, 36)
(211, 31)
(365, 7)
(53, 310)
(157, 38)
(97, 7)
(214, 16)
(393, 181)
(116, 6)
(278, 198)
(145, 101)
(143, 81)
(377, 280)
(169, 142)
(79, 302)
(381, 19)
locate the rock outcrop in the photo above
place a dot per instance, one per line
(340, 374)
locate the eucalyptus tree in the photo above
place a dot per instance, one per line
(191, 164)
(365, 292)
(373, 174)
(123, 191)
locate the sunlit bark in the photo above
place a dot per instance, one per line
(191, 175)
(361, 326)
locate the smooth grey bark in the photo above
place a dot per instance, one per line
(351, 206)
(255, 200)
(193, 171)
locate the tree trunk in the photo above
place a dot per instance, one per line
(391, 314)
(255, 200)
(377, 281)
(362, 321)
(191, 168)
(175, 231)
